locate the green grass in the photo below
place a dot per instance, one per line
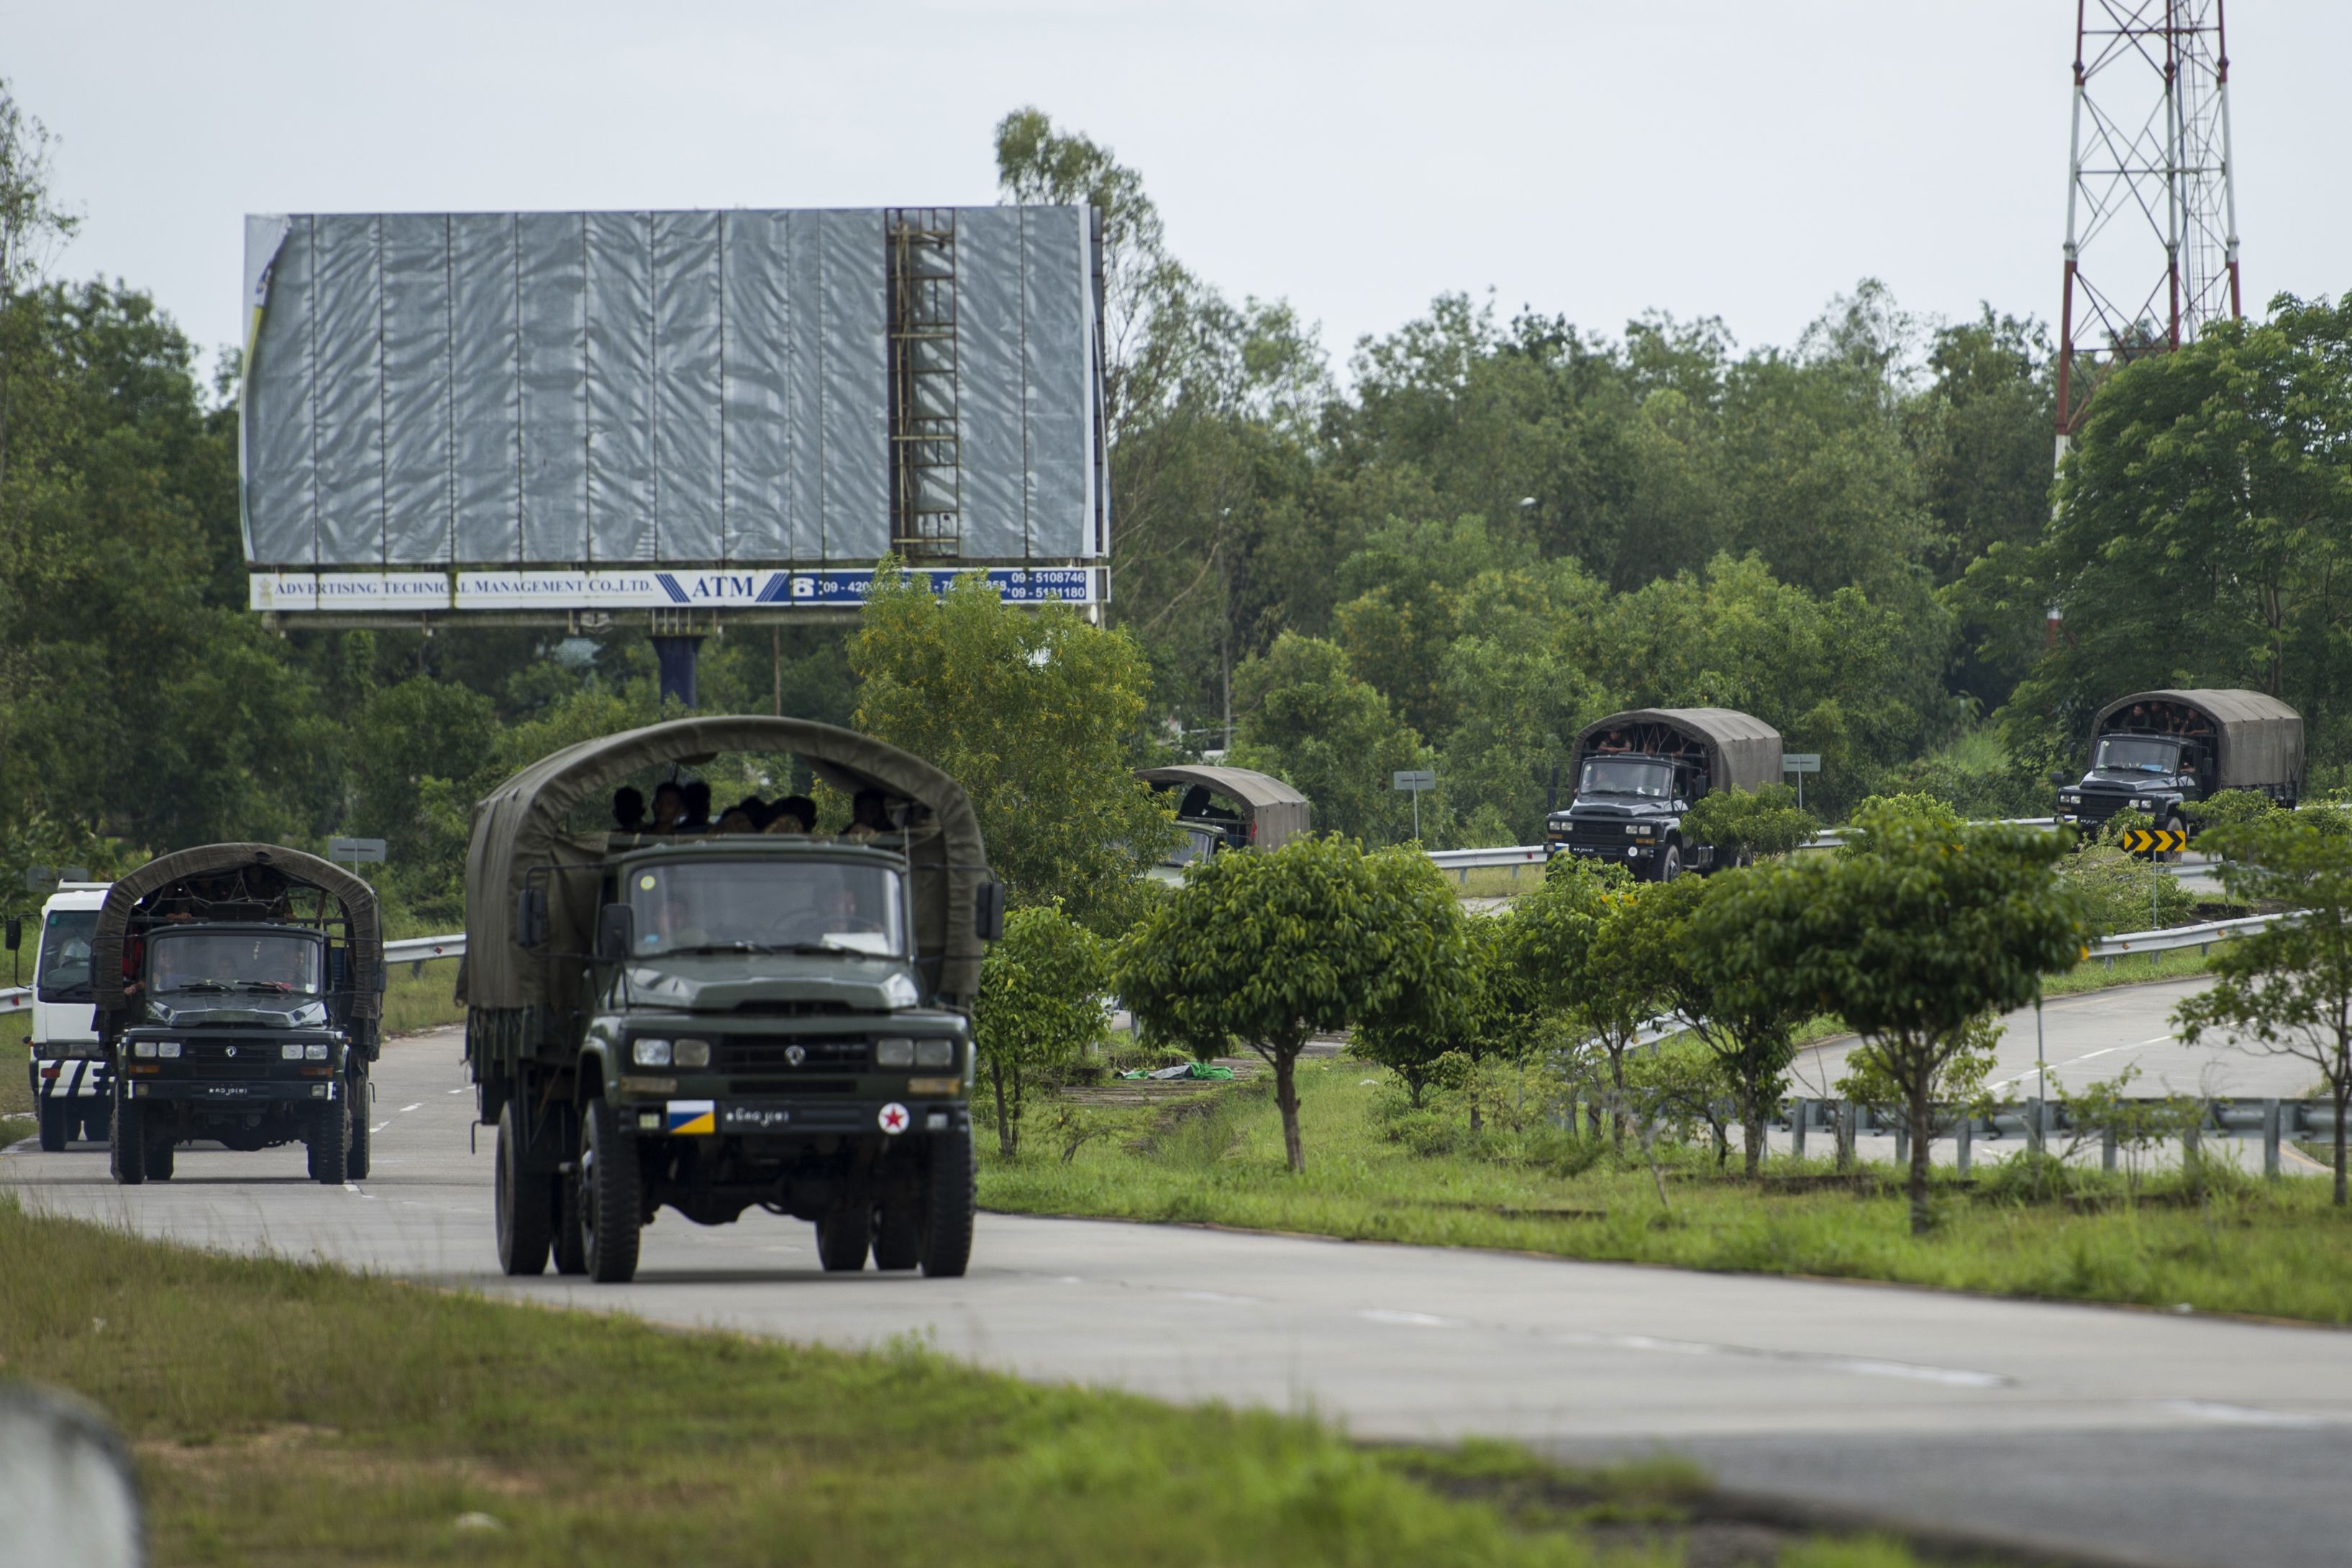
(414, 1001)
(1495, 882)
(287, 1412)
(2276, 1250)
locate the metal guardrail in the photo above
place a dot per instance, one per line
(2171, 938)
(411, 950)
(1517, 854)
(2273, 1120)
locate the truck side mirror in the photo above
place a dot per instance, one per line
(16, 932)
(988, 912)
(530, 918)
(616, 933)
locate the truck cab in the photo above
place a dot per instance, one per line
(1638, 772)
(72, 1083)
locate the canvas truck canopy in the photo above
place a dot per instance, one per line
(1741, 751)
(519, 839)
(234, 882)
(1276, 812)
(2257, 739)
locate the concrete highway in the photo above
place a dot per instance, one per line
(2145, 1438)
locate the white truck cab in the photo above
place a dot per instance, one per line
(73, 1088)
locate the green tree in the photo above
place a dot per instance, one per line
(2200, 536)
(1272, 949)
(1041, 1003)
(1746, 824)
(1915, 931)
(1039, 715)
(2286, 990)
(1306, 718)
(1574, 941)
(1743, 1020)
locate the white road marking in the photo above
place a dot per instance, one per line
(2238, 1414)
(406, 1109)
(1410, 1320)
(1863, 1366)
(1220, 1297)
(379, 1126)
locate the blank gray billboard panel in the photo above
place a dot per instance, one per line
(567, 390)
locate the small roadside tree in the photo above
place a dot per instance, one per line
(1270, 949)
(1748, 824)
(1573, 948)
(1415, 1037)
(2288, 990)
(1915, 931)
(1041, 1002)
(1745, 1019)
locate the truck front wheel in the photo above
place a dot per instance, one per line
(1670, 862)
(846, 1234)
(612, 1206)
(127, 1151)
(950, 1195)
(53, 1124)
(362, 1144)
(522, 1202)
(330, 1141)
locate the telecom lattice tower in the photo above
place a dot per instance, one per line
(2148, 198)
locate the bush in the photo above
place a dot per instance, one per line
(2117, 890)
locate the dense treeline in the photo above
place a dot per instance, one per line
(1495, 528)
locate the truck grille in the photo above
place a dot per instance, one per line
(788, 1083)
(772, 1054)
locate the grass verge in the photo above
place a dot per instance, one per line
(292, 1413)
(417, 996)
(1378, 1171)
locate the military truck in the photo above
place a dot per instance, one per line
(2157, 751)
(239, 989)
(1637, 772)
(1225, 809)
(720, 1022)
(73, 1089)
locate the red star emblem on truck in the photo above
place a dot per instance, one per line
(893, 1117)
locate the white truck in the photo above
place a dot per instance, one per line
(73, 1088)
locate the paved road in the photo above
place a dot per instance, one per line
(2164, 1439)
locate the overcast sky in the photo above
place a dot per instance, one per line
(1726, 157)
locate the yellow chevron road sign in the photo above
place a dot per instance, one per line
(2156, 840)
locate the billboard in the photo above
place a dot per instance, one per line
(735, 411)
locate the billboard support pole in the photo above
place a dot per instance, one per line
(678, 657)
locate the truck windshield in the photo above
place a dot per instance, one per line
(65, 939)
(767, 905)
(1642, 777)
(2137, 754)
(265, 962)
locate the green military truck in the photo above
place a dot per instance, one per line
(239, 989)
(716, 1022)
(1638, 772)
(2158, 751)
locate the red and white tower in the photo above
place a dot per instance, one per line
(2151, 224)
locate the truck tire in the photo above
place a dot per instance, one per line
(97, 1118)
(1670, 862)
(360, 1149)
(898, 1231)
(950, 1197)
(330, 1141)
(52, 1112)
(522, 1204)
(846, 1234)
(127, 1150)
(612, 1204)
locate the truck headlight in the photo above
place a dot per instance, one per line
(2142, 805)
(167, 1048)
(2069, 798)
(690, 1054)
(292, 1053)
(935, 1053)
(317, 1052)
(649, 1053)
(894, 1053)
(142, 1047)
